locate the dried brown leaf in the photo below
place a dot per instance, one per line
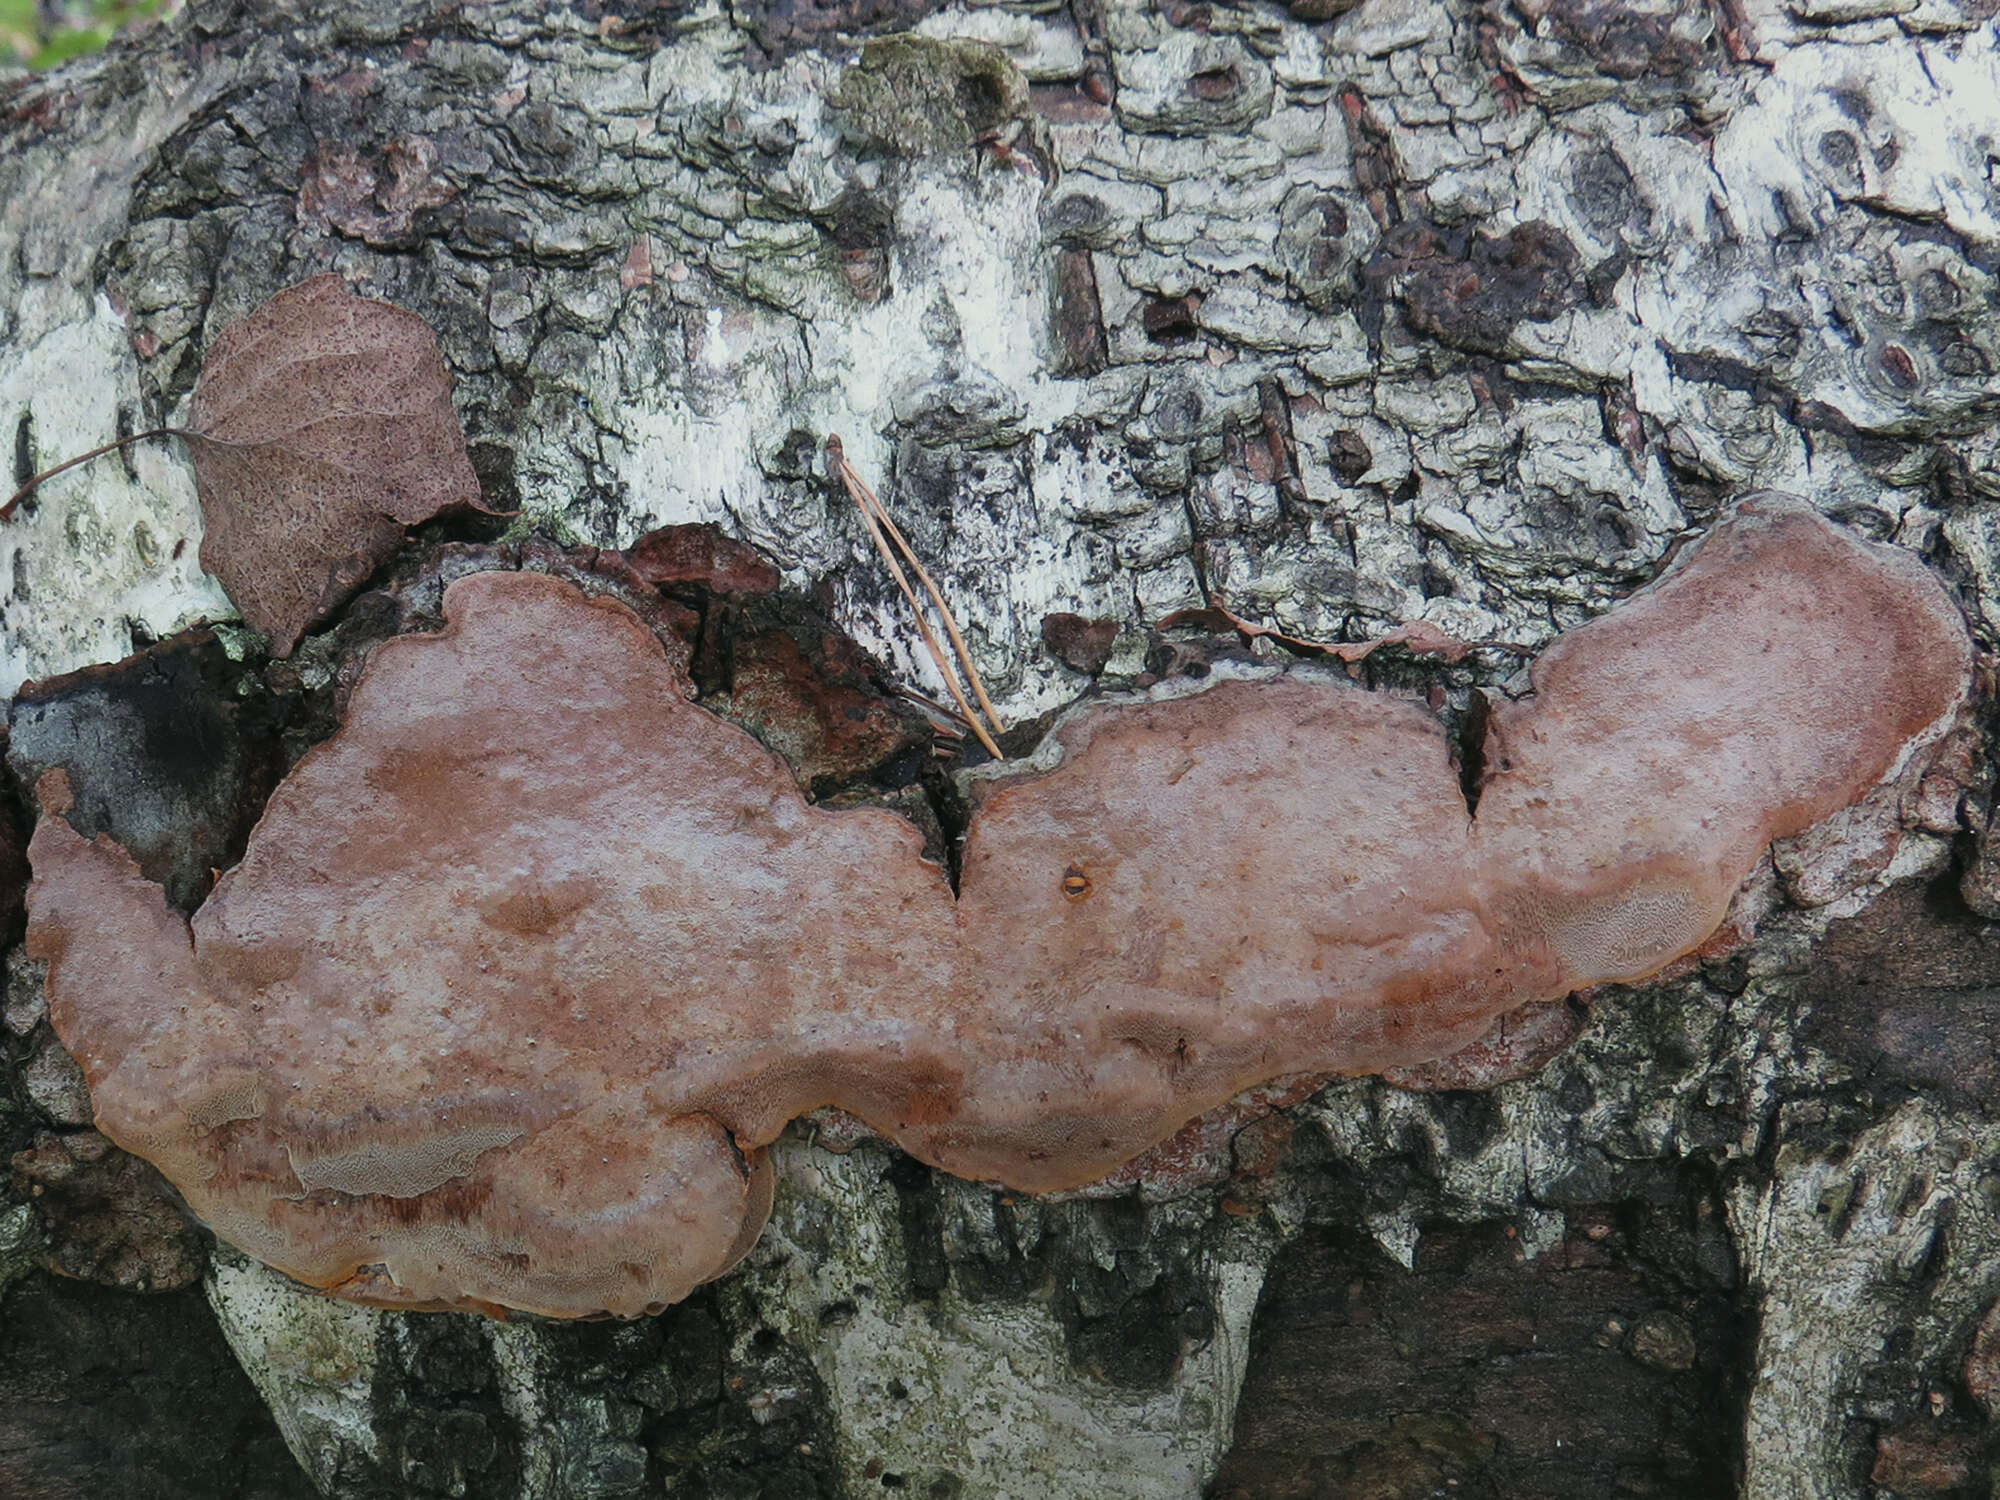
(322, 426)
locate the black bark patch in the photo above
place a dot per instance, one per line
(1469, 290)
(438, 1416)
(1589, 1371)
(13, 859)
(922, 1219)
(117, 1396)
(720, 1414)
(24, 459)
(1349, 455)
(1170, 320)
(1139, 1343)
(1130, 1323)
(172, 752)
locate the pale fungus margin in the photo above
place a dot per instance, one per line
(525, 831)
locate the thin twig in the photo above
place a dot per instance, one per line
(924, 630)
(7, 510)
(937, 598)
(861, 495)
(943, 717)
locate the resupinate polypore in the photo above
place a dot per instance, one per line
(523, 968)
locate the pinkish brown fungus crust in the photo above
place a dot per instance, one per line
(524, 968)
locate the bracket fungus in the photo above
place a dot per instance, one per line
(523, 968)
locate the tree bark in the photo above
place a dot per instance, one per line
(1338, 315)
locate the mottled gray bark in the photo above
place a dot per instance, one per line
(1339, 316)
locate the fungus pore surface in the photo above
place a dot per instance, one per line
(524, 967)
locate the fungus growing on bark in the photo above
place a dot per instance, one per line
(523, 968)
(1768, 684)
(403, 1034)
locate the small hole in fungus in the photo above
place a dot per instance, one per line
(1075, 884)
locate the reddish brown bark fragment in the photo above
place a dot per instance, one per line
(819, 710)
(1479, 1371)
(1078, 314)
(702, 555)
(1079, 644)
(1921, 1460)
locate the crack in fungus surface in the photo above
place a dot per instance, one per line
(523, 969)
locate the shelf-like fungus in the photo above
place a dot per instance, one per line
(522, 969)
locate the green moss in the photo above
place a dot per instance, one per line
(87, 27)
(915, 96)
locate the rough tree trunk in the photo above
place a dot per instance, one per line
(1344, 317)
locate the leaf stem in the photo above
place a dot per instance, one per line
(7, 510)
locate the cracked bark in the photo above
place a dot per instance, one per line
(1341, 315)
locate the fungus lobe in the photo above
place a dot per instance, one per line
(523, 968)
